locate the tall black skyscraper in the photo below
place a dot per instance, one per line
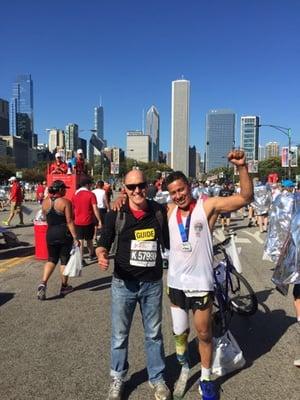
(21, 108)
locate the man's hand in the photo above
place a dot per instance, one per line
(103, 260)
(237, 157)
(119, 202)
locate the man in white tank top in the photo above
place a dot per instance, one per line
(190, 273)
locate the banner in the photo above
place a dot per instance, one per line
(294, 156)
(114, 168)
(252, 166)
(284, 156)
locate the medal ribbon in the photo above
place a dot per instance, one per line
(184, 231)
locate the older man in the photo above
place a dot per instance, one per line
(58, 166)
(137, 279)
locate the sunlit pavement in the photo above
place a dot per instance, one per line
(59, 349)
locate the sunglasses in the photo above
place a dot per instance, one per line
(133, 186)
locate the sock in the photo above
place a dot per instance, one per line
(298, 319)
(181, 345)
(205, 374)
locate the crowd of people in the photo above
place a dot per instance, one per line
(139, 229)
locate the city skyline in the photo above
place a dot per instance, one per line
(207, 43)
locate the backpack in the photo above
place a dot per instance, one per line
(120, 223)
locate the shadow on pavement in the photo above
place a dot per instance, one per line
(96, 284)
(25, 251)
(5, 297)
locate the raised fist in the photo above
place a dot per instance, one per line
(237, 157)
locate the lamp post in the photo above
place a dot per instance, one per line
(287, 132)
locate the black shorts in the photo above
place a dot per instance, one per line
(179, 299)
(225, 215)
(296, 291)
(60, 251)
(85, 232)
(102, 212)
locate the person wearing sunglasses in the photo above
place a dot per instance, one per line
(137, 279)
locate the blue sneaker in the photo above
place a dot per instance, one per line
(208, 390)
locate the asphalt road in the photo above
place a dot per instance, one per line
(59, 349)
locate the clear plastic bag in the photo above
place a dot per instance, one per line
(74, 265)
(227, 355)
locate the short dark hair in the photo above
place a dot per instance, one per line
(85, 182)
(100, 184)
(174, 176)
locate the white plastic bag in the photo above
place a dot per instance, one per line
(233, 253)
(227, 355)
(74, 265)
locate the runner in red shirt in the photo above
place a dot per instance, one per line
(40, 190)
(86, 216)
(16, 199)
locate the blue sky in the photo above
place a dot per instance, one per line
(237, 54)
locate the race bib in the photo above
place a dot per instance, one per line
(143, 253)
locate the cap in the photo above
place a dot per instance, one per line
(79, 151)
(57, 185)
(12, 178)
(58, 155)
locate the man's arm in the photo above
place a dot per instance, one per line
(215, 205)
(97, 215)
(106, 239)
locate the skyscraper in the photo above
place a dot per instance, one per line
(56, 139)
(249, 136)
(21, 110)
(152, 129)
(71, 137)
(137, 146)
(180, 125)
(220, 137)
(99, 122)
(271, 150)
(4, 117)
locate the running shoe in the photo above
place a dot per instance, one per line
(65, 290)
(297, 362)
(5, 223)
(208, 390)
(180, 385)
(92, 258)
(161, 390)
(116, 389)
(83, 263)
(41, 292)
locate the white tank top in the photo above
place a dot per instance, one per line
(191, 270)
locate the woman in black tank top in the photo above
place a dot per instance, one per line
(60, 235)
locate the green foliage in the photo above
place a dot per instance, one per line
(271, 165)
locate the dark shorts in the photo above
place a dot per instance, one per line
(85, 232)
(102, 212)
(296, 291)
(60, 252)
(225, 215)
(179, 299)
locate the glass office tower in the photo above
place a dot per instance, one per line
(249, 136)
(21, 108)
(152, 129)
(220, 137)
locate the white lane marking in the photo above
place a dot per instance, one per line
(219, 235)
(256, 236)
